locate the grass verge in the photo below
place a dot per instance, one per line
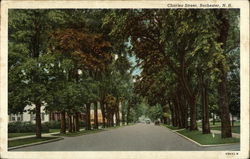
(54, 130)
(12, 135)
(25, 141)
(235, 129)
(171, 127)
(79, 133)
(217, 124)
(207, 139)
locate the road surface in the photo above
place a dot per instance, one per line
(139, 137)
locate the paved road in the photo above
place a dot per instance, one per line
(139, 137)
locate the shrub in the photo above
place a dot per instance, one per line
(82, 124)
(24, 127)
(53, 124)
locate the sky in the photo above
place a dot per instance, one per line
(137, 70)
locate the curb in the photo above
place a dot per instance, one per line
(214, 145)
(88, 133)
(36, 143)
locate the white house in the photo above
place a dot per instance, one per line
(26, 116)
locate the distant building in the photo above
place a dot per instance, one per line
(27, 116)
(92, 116)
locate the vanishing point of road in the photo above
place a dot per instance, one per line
(138, 137)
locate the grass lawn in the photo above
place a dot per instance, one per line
(207, 139)
(54, 130)
(83, 132)
(235, 129)
(28, 141)
(217, 124)
(211, 124)
(11, 135)
(171, 127)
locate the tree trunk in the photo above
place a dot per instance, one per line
(103, 113)
(38, 121)
(70, 123)
(88, 123)
(116, 116)
(73, 123)
(95, 115)
(224, 108)
(222, 86)
(185, 110)
(180, 110)
(112, 119)
(108, 119)
(213, 119)
(128, 113)
(77, 122)
(123, 114)
(205, 111)
(117, 113)
(176, 112)
(172, 114)
(191, 98)
(193, 123)
(63, 123)
(232, 121)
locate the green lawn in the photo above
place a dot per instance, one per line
(171, 127)
(235, 129)
(236, 123)
(83, 132)
(28, 141)
(54, 130)
(11, 135)
(207, 139)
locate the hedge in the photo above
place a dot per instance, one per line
(24, 127)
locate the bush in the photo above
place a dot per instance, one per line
(25, 127)
(53, 124)
(57, 124)
(82, 124)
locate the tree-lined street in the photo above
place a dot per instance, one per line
(103, 68)
(138, 137)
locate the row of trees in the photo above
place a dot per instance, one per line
(65, 60)
(189, 61)
(70, 59)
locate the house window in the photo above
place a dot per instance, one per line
(13, 118)
(18, 118)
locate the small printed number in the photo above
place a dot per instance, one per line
(232, 153)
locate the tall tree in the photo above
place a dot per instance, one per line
(28, 30)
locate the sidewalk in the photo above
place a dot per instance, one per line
(29, 136)
(219, 132)
(43, 135)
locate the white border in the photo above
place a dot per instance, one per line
(244, 47)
